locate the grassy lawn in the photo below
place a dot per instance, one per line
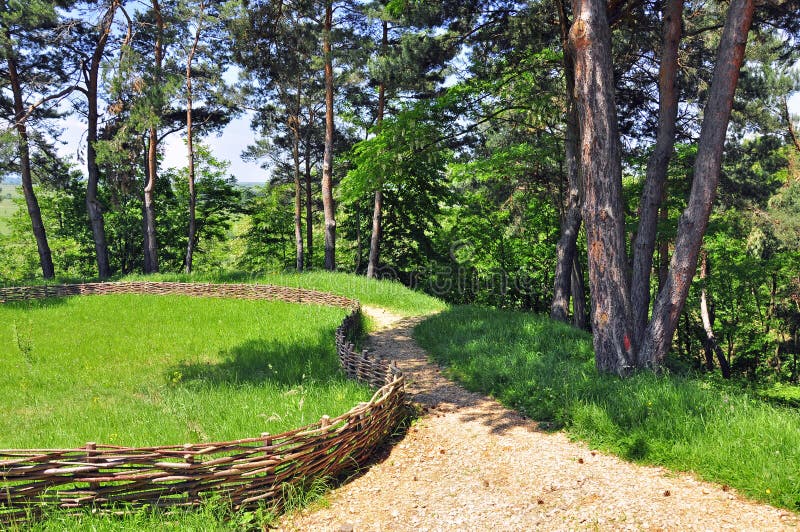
(546, 370)
(391, 295)
(143, 370)
(7, 206)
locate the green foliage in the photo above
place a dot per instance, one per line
(162, 375)
(545, 370)
(406, 160)
(269, 231)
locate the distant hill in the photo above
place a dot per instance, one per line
(9, 180)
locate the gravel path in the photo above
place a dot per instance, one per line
(471, 464)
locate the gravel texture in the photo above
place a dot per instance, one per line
(471, 464)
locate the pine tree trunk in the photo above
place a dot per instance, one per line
(601, 171)
(694, 220)
(377, 210)
(327, 160)
(657, 165)
(309, 211)
(192, 233)
(150, 242)
(298, 199)
(93, 205)
(578, 295)
(23, 150)
(571, 224)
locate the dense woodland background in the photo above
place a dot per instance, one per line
(436, 143)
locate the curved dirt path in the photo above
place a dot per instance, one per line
(471, 464)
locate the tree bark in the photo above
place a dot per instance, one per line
(601, 169)
(309, 252)
(657, 165)
(566, 248)
(578, 295)
(327, 160)
(150, 242)
(93, 206)
(710, 341)
(23, 149)
(694, 220)
(192, 233)
(663, 245)
(377, 210)
(294, 125)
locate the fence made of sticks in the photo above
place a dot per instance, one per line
(245, 472)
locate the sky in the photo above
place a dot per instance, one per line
(227, 146)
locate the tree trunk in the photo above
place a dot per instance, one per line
(710, 341)
(309, 211)
(657, 165)
(694, 220)
(150, 242)
(571, 224)
(190, 148)
(298, 203)
(93, 205)
(578, 295)
(23, 149)
(377, 211)
(327, 160)
(601, 170)
(663, 244)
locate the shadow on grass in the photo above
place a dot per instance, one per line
(258, 361)
(545, 370)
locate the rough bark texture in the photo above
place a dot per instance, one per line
(93, 206)
(377, 210)
(571, 224)
(192, 236)
(150, 242)
(710, 341)
(694, 220)
(23, 150)
(657, 165)
(327, 159)
(600, 163)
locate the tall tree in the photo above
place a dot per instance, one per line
(601, 170)
(328, 206)
(377, 211)
(566, 255)
(150, 240)
(657, 165)
(694, 220)
(38, 79)
(616, 350)
(91, 54)
(190, 55)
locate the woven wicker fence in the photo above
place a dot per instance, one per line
(246, 472)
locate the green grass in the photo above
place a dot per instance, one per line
(143, 370)
(784, 394)
(387, 294)
(7, 206)
(546, 370)
(212, 515)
